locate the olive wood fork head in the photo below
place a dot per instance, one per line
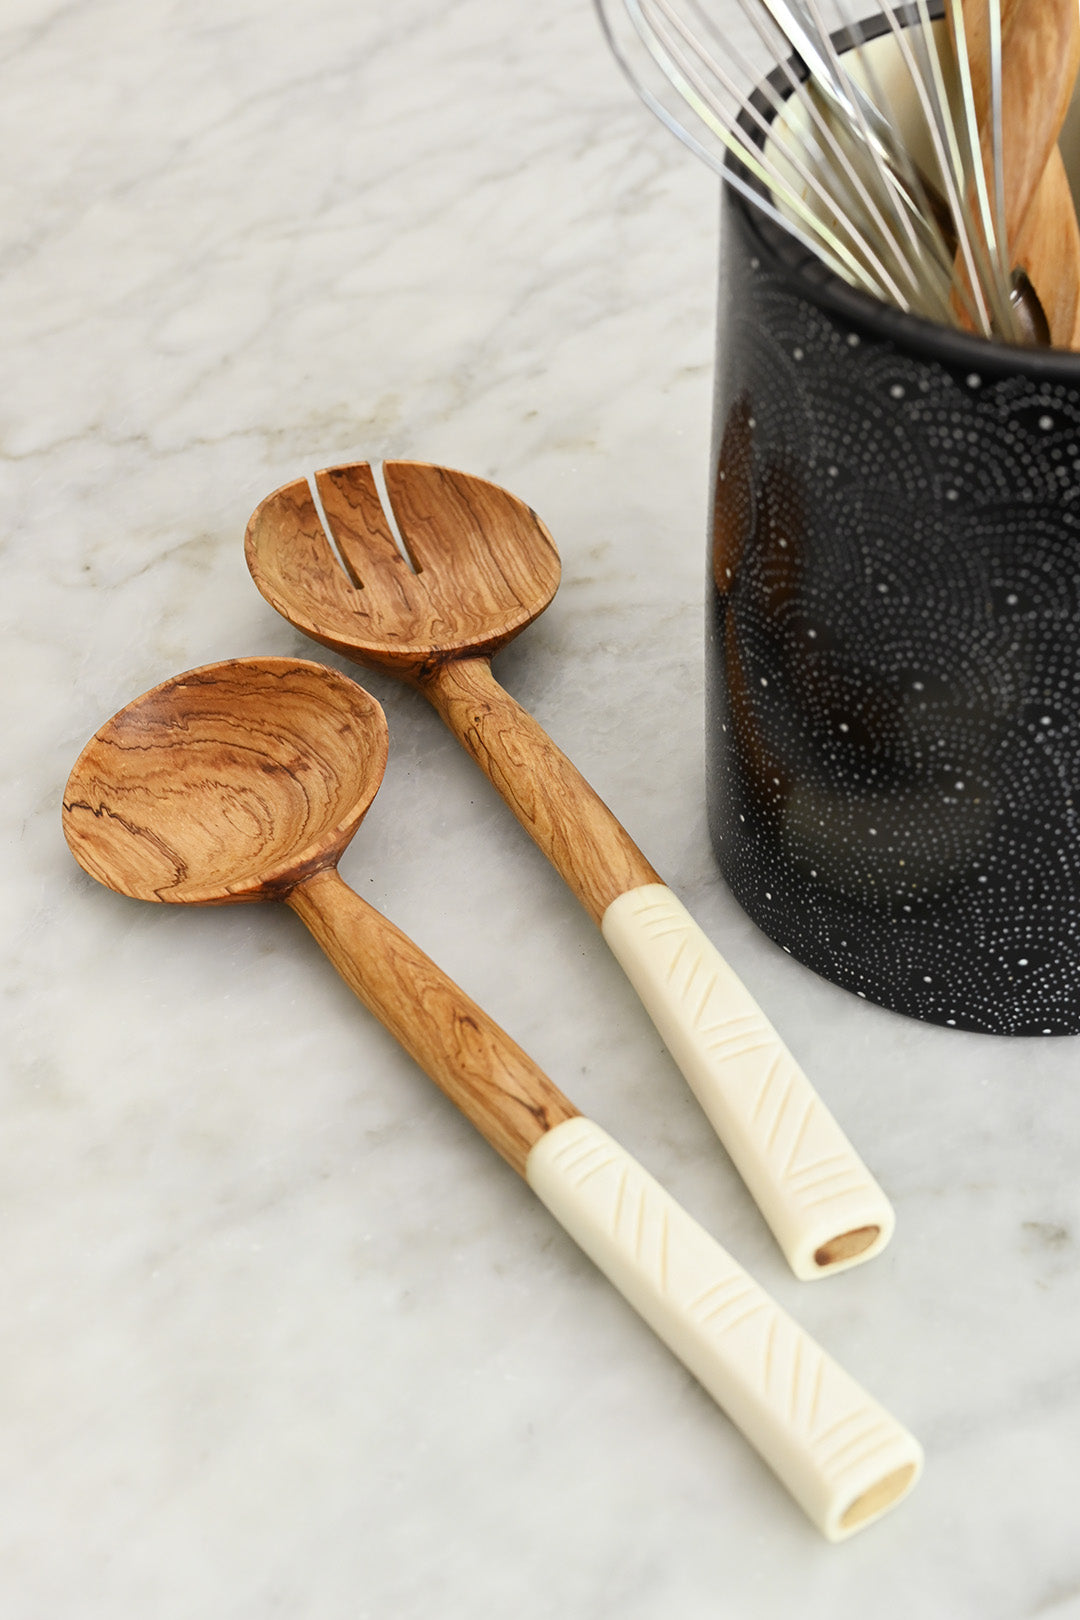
(480, 564)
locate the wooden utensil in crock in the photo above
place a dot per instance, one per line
(1040, 58)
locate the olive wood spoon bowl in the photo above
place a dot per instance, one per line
(245, 781)
(483, 567)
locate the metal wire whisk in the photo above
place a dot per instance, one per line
(820, 152)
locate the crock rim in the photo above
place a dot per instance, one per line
(914, 334)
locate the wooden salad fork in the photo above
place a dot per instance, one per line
(245, 781)
(481, 566)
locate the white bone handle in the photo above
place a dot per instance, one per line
(839, 1453)
(826, 1210)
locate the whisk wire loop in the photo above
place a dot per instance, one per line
(824, 152)
(698, 96)
(859, 241)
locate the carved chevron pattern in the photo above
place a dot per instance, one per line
(774, 1381)
(745, 1074)
(633, 1223)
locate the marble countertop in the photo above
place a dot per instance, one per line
(280, 1335)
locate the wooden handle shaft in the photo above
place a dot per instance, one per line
(1048, 252)
(556, 806)
(511, 1102)
(1040, 58)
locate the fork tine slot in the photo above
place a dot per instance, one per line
(447, 520)
(359, 528)
(294, 565)
(433, 513)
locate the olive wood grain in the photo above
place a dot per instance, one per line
(565, 817)
(477, 566)
(245, 781)
(1040, 59)
(483, 1072)
(483, 567)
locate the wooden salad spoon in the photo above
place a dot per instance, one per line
(482, 567)
(245, 781)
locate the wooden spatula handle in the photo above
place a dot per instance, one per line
(1040, 58)
(824, 1207)
(484, 1073)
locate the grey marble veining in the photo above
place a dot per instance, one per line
(280, 1336)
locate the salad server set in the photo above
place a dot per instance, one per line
(245, 781)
